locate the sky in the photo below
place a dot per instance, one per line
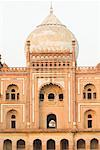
(19, 18)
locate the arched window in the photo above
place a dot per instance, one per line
(12, 92)
(7, 145)
(89, 92)
(64, 144)
(50, 144)
(11, 119)
(81, 144)
(94, 144)
(51, 121)
(51, 96)
(20, 144)
(37, 144)
(90, 119)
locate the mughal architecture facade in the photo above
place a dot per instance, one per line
(51, 104)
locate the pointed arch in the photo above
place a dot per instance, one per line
(89, 118)
(51, 145)
(94, 144)
(21, 144)
(89, 91)
(81, 144)
(64, 144)
(11, 118)
(52, 91)
(37, 144)
(7, 145)
(12, 92)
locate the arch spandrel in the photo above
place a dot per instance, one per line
(44, 81)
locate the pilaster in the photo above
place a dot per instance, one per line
(57, 145)
(44, 145)
(14, 145)
(87, 144)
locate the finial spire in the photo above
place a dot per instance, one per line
(51, 8)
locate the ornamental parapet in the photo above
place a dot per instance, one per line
(14, 69)
(87, 69)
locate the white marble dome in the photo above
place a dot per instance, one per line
(51, 36)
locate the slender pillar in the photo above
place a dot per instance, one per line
(14, 146)
(71, 146)
(87, 144)
(44, 145)
(74, 146)
(57, 145)
(30, 145)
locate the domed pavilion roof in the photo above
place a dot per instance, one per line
(51, 36)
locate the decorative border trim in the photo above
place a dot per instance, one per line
(12, 79)
(69, 102)
(79, 91)
(33, 103)
(22, 83)
(23, 110)
(85, 104)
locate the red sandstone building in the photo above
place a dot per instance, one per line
(51, 104)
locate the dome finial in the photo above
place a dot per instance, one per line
(51, 8)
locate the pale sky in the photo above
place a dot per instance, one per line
(19, 18)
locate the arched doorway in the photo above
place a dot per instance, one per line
(81, 144)
(7, 145)
(20, 144)
(50, 144)
(51, 121)
(64, 144)
(94, 144)
(37, 144)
